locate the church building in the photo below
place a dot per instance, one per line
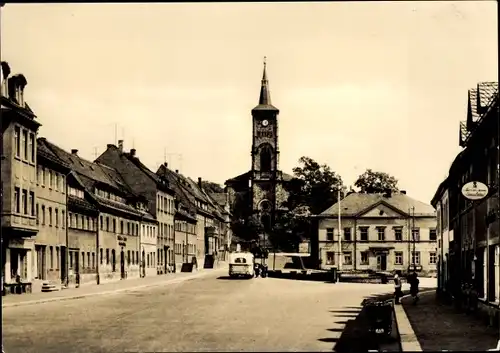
(261, 191)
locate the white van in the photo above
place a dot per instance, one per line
(241, 264)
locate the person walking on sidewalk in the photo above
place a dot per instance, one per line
(414, 282)
(397, 288)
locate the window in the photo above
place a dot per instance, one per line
(128, 257)
(107, 256)
(32, 147)
(100, 255)
(17, 205)
(121, 227)
(43, 176)
(57, 217)
(107, 224)
(83, 259)
(398, 234)
(24, 137)
(17, 140)
(88, 259)
(363, 232)
(93, 259)
(398, 258)
(58, 256)
(128, 227)
(348, 258)
(102, 223)
(136, 229)
(347, 234)
(330, 258)
(43, 214)
(50, 216)
(415, 234)
(432, 235)
(32, 203)
(25, 201)
(56, 186)
(37, 215)
(381, 233)
(432, 258)
(50, 179)
(415, 257)
(364, 258)
(329, 234)
(114, 225)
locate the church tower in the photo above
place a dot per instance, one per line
(265, 174)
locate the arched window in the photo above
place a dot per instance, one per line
(265, 159)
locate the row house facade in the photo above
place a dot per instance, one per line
(379, 233)
(18, 184)
(468, 231)
(69, 221)
(159, 195)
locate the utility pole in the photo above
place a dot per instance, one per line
(413, 237)
(340, 234)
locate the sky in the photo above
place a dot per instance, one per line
(380, 85)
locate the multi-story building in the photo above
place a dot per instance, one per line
(148, 243)
(18, 189)
(189, 247)
(468, 230)
(49, 263)
(379, 232)
(107, 248)
(156, 190)
(220, 201)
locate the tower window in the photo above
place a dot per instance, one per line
(265, 159)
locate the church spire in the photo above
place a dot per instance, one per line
(265, 93)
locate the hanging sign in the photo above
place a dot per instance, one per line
(475, 190)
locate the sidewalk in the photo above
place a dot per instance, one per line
(106, 288)
(439, 327)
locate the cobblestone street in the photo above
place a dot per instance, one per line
(203, 314)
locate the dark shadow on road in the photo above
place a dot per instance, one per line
(347, 315)
(355, 336)
(335, 329)
(346, 311)
(329, 340)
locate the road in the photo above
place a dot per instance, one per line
(204, 314)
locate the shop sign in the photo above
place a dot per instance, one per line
(475, 190)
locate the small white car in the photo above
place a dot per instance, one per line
(241, 264)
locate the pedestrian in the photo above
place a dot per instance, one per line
(397, 288)
(414, 281)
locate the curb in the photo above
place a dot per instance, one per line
(116, 291)
(407, 337)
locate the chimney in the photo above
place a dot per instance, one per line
(199, 182)
(177, 171)
(403, 192)
(75, 152)
(388, 193)
(120, 145)
(165, 164)
(132, 152)
(109, 145)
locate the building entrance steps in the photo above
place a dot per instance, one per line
(437, 327)
(106, 288)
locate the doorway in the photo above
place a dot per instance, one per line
(63, 264)
(122, 264)
(382, 262)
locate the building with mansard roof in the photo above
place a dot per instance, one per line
(378, 233)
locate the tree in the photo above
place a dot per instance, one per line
(371, 182)
(314, 186)
(313, 189)
(211, 187)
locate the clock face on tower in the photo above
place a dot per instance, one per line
(265, 123)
